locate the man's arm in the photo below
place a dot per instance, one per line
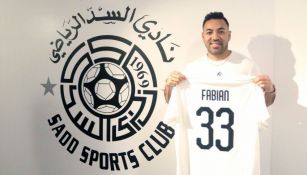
(167, 92)
(270, 97)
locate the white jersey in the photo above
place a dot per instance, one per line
(235, 65)
(216, 113)
(217, 127)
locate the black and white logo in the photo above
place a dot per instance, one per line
(108, 87)
(108, 92)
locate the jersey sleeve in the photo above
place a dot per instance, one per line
(177, 112)
(261, 112)
(174, 116)
(174, 109)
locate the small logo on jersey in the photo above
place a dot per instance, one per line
(219, 74)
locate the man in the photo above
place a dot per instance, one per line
(216, 35)
(217, 107)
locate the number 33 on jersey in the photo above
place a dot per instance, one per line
(217, 126)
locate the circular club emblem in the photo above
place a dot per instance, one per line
(108, 88)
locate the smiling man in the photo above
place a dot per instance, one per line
(221, 61)
(217, 105)
(216, 36)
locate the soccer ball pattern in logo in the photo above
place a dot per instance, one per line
(106, 88)
(108, 92)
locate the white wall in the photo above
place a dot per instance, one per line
(271, 32)
(289, 123)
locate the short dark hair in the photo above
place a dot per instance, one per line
(215, 15)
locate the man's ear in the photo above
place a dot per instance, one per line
(202, 35)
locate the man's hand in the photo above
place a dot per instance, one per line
(265, 83)
(172, 80)
(268, 87)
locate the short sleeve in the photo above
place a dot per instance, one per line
(177, 111)
(172, 114)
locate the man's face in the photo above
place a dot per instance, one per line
(216, 36)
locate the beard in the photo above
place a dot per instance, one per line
(218, 49)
